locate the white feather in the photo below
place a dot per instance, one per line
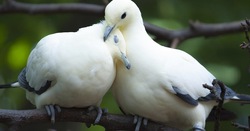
(80, 65)
(146, 89)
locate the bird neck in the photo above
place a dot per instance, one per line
(135, 33)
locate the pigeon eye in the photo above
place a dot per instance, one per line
(123, 15)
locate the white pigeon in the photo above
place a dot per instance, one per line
(72, 69)
(164, 84)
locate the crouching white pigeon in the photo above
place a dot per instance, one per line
(72, 69)
(164, 84)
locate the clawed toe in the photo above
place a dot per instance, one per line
(99, 115)
(145, 121)
(100, 112)
(51, 111)
(138, 121)
(104, 111)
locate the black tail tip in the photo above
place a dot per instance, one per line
(9, 85)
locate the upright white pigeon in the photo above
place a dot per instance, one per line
(72, 69)
(164, 84)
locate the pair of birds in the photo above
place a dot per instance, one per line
(76, 69)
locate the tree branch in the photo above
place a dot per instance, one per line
(12, 6)
(16, 118)
(196, 29)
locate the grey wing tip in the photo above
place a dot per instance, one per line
(22, 79)
(185, 96)
(25, 84)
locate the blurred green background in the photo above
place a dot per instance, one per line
(221, 55)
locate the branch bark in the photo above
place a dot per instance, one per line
(16, 118)
(111, 122)
(12, 6)
(195, 29)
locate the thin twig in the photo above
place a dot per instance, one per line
(174, 43)
(220, 95)
(220, 104)
(246, 45)
(239, 126)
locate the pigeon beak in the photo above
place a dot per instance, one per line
(107, 32)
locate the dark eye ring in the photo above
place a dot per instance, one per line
(123, 15)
